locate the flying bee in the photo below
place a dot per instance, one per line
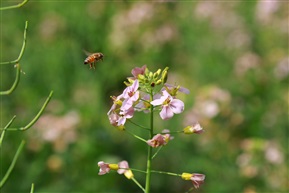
(92, 58)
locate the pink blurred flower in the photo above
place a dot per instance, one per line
(197, 179)
(136, 71)
(159, 139)
(124, 169)
(169, 105)
(117, 102)
(124, 115)
(195, 128)
(104, 168)
(173, 89)
(143, 104)
(130, 95)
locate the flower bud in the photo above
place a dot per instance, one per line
(157, 73)
(186, 176)
(164, 76)
(151, 75)
(158, 82)
(141, 77)
(128, 174)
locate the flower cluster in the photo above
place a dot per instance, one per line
(149, 92)
(139, 96)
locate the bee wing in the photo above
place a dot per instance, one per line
(87, 53)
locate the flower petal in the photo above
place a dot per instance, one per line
(166, 113)
(157, 102)
(177, 106)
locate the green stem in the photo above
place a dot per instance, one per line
(138, 184)
(156, 153)
(4, 179)
(15, 84)
(171, 132)
(35, 118)
(190, 190)
(167, 173)
(3, 132)
(32, 188)
(134, 135)
(137, 170)
(138, 125)
(14, 6)
(22, 49)
(149, 158)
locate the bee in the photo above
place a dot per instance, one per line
(92, 58)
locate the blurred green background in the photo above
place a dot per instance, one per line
(232, 55)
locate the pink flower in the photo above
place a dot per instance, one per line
(159, 139)
(143, 104)
(197, 179)
(174, 89)
(124, 115)
(104, 168)
(116, 103)
(195, 128)
(130, 95)
(124, 169)
(169, 105)
(136, 71)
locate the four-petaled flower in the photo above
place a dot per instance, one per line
(169, 105)
(124, 115)
(197, 179)
(159, 139)
(136, 71)
(130, 95)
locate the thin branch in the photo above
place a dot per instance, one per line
(3, 132)
(22, 49)
(157, 152)
(138, 125)
(4, 179)
(35, 118)
(15, 84)
(14, 6)
(136, 136)
(138, 184)
(32, 188)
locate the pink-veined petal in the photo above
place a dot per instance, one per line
(166, 113)
(177, 106)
